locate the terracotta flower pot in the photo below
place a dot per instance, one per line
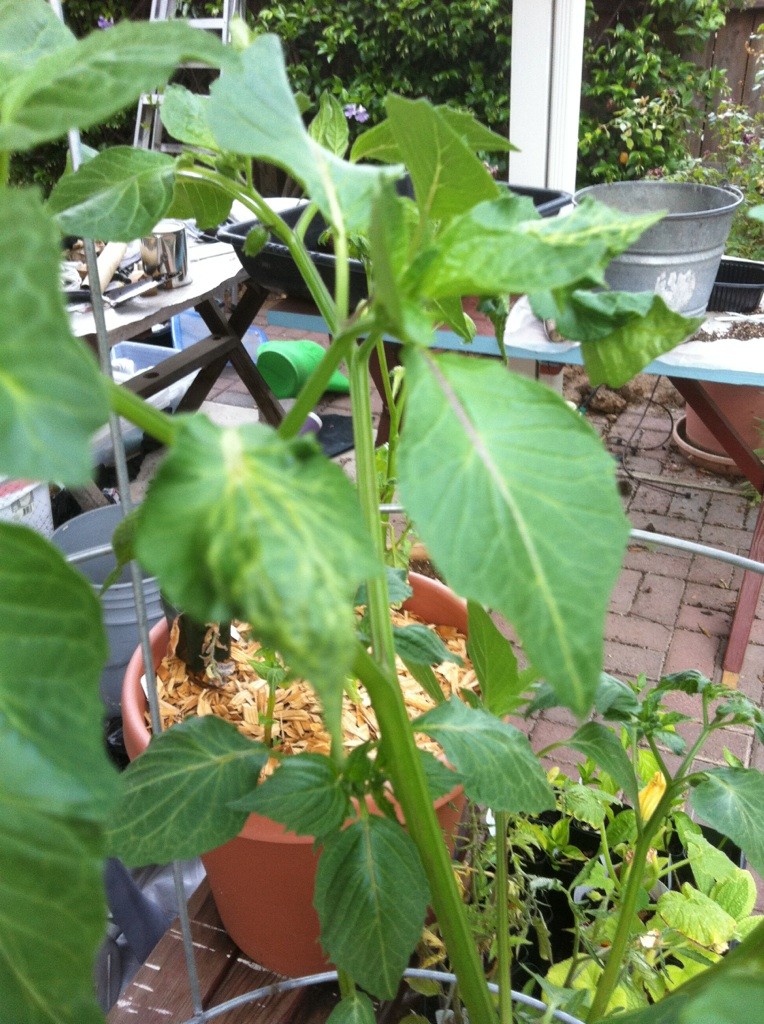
(263, 879)
(743, 406)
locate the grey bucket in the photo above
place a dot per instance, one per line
(94, 529)
(679, 256)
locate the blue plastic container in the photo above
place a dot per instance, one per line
(187, 327)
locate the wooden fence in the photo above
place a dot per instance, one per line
(735, 49)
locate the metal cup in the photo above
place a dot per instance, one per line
(164, 254)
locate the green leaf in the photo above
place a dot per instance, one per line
(28, 31)
(617, 358)
(615, 700)
(178, 795)
(56, 760)
(371, 895)
(376, 143)
(450, 312)
(123, 542)
(504, 246)
(736, 894)
(690, 681)
(241, 524)
(51, 395)
(731, 800)
(56, 783)
(536, 500)
(53, 917)
(589, 316)
(379, 143)
(494, 662)
(185, 117)
(440, 778)
(426, 678)
(398, 587)
(604, 748)
(422, 646)
(474, 134)
(305, 794)
(708, 864)
(118, 195)
(388, 240)
(87, 82)
(696, 916)
(253, 112)
(493, 759)
(585, 804)
(356, 1008)
(193, 199)
(448, 178)
(730, 992)
(622, 829)
(329, 128)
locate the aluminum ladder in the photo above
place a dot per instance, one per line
(148, 122)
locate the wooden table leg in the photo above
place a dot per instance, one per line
(236, 327)
(749, 463)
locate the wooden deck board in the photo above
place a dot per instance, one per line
(159, 993)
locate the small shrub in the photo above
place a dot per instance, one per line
(641, 96)
(737, 160)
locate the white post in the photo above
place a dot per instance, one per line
(545, 91)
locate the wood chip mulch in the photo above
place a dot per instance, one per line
(241, 696)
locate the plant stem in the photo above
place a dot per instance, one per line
(318, 381)
(609, 978)
(605, 847)
(255, 202)
(5, 168)
(659, 759)
(346, 983)
(366, 484)
(410, 787)
(124, 403)
(378, 674)
(502, 918)
(269, 709)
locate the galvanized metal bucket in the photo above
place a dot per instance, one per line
(678, 257)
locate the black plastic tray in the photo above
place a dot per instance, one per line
(548, 201)
(274, 268)
(738, 287)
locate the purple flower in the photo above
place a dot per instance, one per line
(356, 112)
(104, 22)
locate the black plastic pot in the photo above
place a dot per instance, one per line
(273, 267)
(738, 286)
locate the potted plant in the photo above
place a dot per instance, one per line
(653, 900)
(622, 897)
(256, 524)
(263, 879)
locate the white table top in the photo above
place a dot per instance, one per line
(725, 359)
(211, 265)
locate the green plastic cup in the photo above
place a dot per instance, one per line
(286, 366)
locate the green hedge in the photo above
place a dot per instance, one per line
(451, 51)
(642, 96)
